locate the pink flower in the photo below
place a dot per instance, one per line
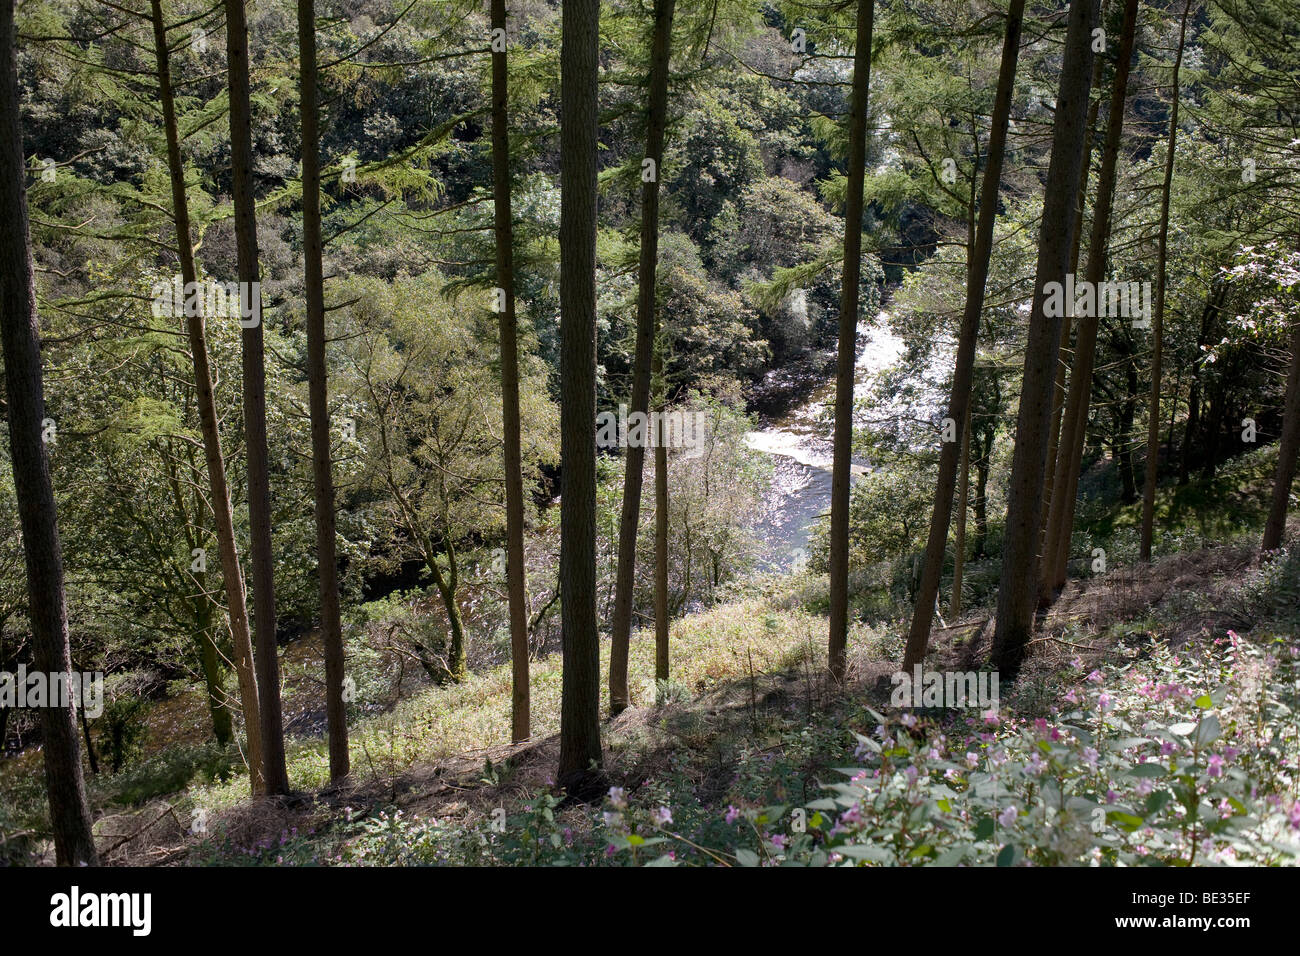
(732, 814)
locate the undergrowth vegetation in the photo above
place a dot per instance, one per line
(1130, 741)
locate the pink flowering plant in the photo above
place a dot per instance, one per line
(1192, 759)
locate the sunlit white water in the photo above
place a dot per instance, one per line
(801, 449)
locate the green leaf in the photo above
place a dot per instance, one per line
(864, 852)
(1182, 729)
(984, 828)
(1147, 770)
(1156, 801)
(1126, 821)
(868, 743)
(1008, 855)
(1208, 731)
(746, 857)
(951, 856)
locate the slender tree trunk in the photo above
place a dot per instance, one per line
(1017, 594)
(850, 279)
(1128, 414)
(504, 232)
(222, 728)
(331, 625)
(210, 661)
(447, 584)
(1213, 429)
(1056, 550)
(1059, 393)
(1173, 415)
(661, 529)
(90, 744)
(254, 369)
(1288, 449)
(977, 271)
(621, 636)
(218, 487)
(1213, 302)
(982, 468)
(959, 542)
(47, 609)
(580, 752)
(1158, 318)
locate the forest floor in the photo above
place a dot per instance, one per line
(749, 718)
(749, 726)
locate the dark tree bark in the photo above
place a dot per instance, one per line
(1018, 593)
(1158, 316)
(218, 486)
(1213, 303)
(322, 470)
(1288, 449)
(504, 230)
(1213, 425)
(657, 115)
(580, 751)
(1064, 351)
(1128, 414)
(963, 505)
(213, 672)
(254, 393)
(47, 610)
(983, 465)
(977, 270)
(1060, 522)
(850, 280)
(661, 529)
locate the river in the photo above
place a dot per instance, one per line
(799, 443)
